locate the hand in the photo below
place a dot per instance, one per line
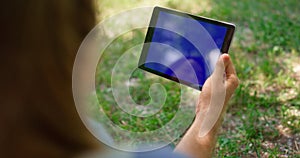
(223, 80)
(216, 93)
(200, 139)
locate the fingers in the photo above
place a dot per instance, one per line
(229, 68)
(231, 77)
(224, 64)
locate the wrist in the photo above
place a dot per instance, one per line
(209, 139)
(194, 145)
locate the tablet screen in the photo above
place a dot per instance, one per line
(183, 47)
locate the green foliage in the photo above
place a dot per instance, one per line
(264, 112)
(267, 35)
(138, 92)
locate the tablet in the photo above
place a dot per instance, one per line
(183, 47)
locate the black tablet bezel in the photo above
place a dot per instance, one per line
(225, 47)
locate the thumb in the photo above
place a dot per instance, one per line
(219, 71)
(229, 68)
(232, 80)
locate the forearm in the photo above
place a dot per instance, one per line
(194, 146)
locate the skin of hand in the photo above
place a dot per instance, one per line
(210, 109)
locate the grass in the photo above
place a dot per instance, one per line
(263, 119)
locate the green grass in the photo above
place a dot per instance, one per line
(138, 92)
(266, 44)
(263, 119)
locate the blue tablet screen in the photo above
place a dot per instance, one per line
(184, 48)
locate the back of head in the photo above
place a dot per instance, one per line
(39, 43)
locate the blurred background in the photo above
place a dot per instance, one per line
(264, 113)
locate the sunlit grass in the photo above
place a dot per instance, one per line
(263, 119)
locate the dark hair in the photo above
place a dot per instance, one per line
(39, 43)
